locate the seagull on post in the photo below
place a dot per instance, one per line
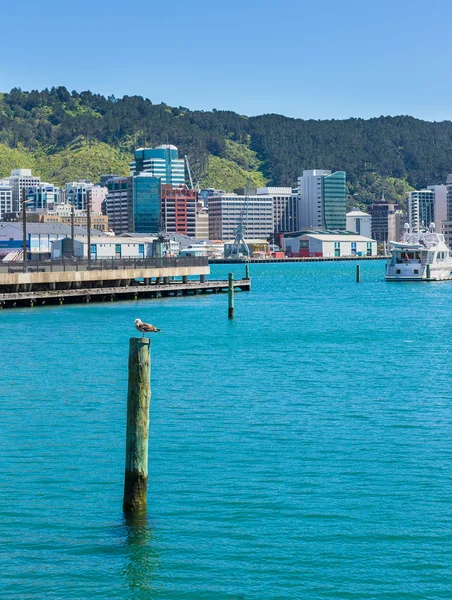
(145, 327)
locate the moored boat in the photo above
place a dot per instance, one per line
(420, 256)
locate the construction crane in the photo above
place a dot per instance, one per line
(189, 172)
(239, 247)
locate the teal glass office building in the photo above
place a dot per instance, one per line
(333, 199)
(162, 162)
(146, 203)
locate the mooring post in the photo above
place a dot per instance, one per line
(247, 271)
(231, 295)
(428, 272)
(138, 401)
(358, 273)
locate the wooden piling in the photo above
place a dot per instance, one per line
(247, 271)
(428, 271)
(358, 273)
(137, 437)
(230, 295)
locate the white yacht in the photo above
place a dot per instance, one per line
(422, 256)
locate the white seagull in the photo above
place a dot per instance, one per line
(145, 327)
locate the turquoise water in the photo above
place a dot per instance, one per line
(303, 450)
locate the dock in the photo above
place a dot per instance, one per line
(64, 282)
(292, 259)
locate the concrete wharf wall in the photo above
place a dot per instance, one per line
(66, 280)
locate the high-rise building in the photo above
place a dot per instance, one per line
(359, 222)
(387, 222)
(119, 204)
(6, 198)
(42, 195)
(179, 209)
(440, 208)
(447, 223)
(20, 179)
(285, 207)
(421, 209)
(225, 211)
(105, 178)
(133, 204)
(96, 195)
(162, 161)
(202, 221)
(322, 199)
(147, 197)
(76, 193)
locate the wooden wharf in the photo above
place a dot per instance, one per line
(45, 284)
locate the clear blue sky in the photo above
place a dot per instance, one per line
(324, 59)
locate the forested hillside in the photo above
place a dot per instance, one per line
(67, 135)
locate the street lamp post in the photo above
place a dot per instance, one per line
(71, 201)
(24, 228)
(88, 224)
(24, 231)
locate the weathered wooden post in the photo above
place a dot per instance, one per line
(137, 438)
(247, 271)
(231, 295)
(358, 273)
(428, 272)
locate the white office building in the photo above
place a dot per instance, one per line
(421, 209)
(359, 222)
(322, 199)
(225, 211)
(77, 193)
(6, 198)
(447, 223)
(285, 207)
(20, 179)
(440, 205)
(42, 195)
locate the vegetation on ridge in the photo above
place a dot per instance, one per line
(66, 135)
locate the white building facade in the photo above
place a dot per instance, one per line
(359, 222)
(6, 198)
(107, 247)
(285, 207)
(225, 211)
(421, 209)
(329, 245)
(20, 179)
(440, 205)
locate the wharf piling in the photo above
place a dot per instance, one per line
(230, 295)
(137, 436)
(247, 271)
(358, 273)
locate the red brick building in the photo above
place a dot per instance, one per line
(179, 209)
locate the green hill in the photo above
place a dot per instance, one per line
(65, 135)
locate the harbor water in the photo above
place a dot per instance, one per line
(302, 450)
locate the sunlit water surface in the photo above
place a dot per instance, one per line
(303, 450)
